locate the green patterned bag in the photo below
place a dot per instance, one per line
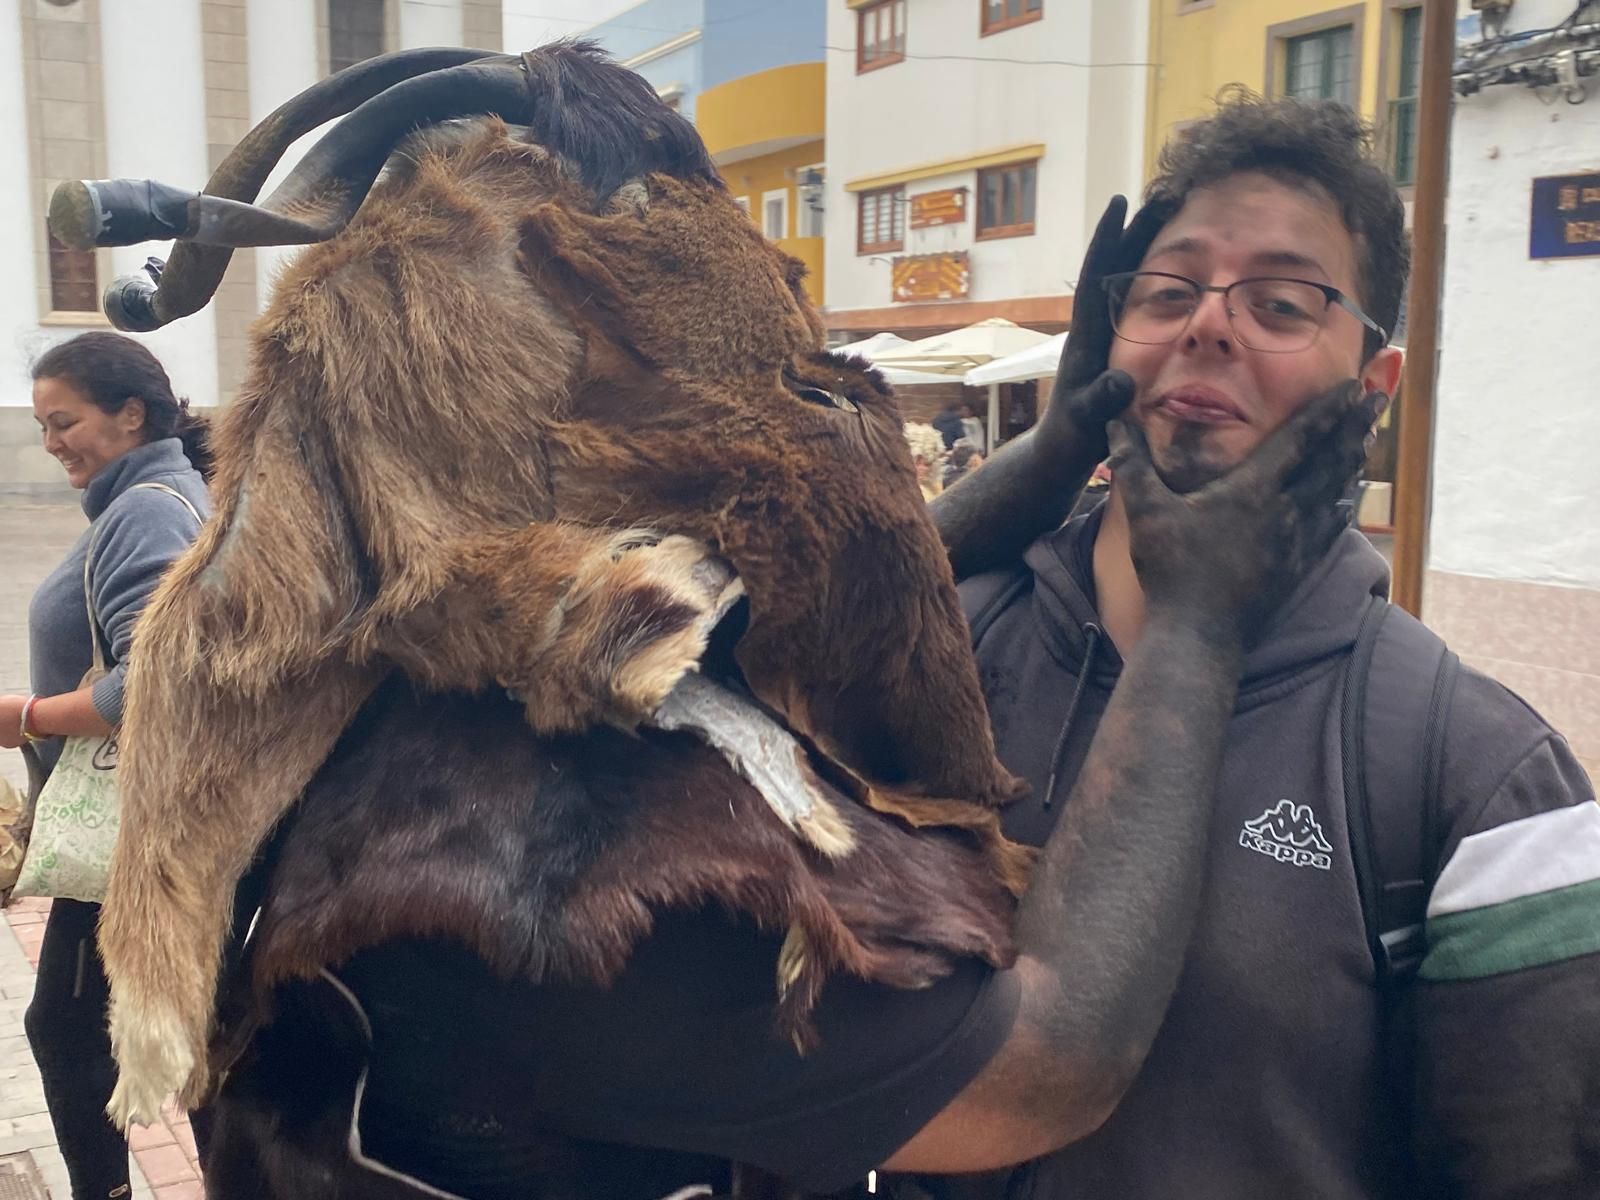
(76, 816)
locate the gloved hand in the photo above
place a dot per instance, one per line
(1087, 393)
(1028, 487)
(1226, 555)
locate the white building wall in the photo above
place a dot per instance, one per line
(430, 23)
(1517, 444)
(19, 305)
(156, 129)
(1514, 558)
(284, 60)
(938, 107)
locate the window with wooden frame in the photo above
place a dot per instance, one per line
(999, 15)
(880, 34)
(1402, 122)
(355, 32)
(881, 220)
(1006, 200)
(1321, 65)
(74, 281)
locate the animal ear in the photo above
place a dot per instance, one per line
(685, 280)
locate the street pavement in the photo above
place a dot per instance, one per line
(34, 535)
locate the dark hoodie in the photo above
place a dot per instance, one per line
(1266, 1079)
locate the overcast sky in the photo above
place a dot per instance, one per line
(530, 23)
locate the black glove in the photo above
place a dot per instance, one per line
(1028, 487)
(1227, 554)
(1087, 393)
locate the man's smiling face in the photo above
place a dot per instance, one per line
(1204, 401)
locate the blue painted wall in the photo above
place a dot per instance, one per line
(648, 25)
(742, 37)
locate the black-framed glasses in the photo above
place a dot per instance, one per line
(1269, 314)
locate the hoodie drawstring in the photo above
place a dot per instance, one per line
(1092, 636)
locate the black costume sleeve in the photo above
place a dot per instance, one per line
(681, 1053)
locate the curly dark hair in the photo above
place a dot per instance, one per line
(1299, 142)
(110, 370)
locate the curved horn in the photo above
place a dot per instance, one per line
(126, 212)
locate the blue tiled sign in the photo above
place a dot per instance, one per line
(1566, 217)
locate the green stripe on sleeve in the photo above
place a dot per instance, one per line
(1533, 931)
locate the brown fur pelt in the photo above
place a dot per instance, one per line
(461, 413)
(445, 816)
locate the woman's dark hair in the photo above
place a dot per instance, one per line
(111, 370)
(1320, 142)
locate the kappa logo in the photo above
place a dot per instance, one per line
(1289, 833)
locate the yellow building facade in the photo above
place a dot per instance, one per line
(765, 133)
(1367, 54)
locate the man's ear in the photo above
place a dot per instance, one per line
(1382, 372)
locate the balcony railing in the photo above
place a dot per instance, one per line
(1402, 129)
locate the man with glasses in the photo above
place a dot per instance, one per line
(1166, 672)
(1264, 271)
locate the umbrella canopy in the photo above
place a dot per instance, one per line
(960, 351)
(870, 348)
(883, 343)
(1033, 363)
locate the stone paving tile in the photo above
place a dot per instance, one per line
(165, 1164)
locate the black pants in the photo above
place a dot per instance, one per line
(66, 1026)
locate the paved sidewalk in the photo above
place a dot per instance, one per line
(33, 537)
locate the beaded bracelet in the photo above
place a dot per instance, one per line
(27, 711)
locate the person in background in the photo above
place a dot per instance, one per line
(972, 429)
(107, 413)
(949, 422)
(964, 460)
(927, 454)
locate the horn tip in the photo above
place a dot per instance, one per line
(75, 217)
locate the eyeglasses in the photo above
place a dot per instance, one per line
(1274, 316)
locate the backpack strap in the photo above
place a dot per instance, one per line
(984, 597)
(1398, 689)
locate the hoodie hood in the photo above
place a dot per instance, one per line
(1319, 620)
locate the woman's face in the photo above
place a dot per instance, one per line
(78, 434)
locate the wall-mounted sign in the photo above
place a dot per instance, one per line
(1566, 216)
(948, 207)
(931, 277)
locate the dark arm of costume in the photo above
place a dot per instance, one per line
(994, 514)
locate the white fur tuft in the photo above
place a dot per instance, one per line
(153, 1057)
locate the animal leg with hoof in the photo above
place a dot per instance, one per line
(195, 810)
(587, 626)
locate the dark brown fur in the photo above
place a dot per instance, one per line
(445, 816)
(455, 410)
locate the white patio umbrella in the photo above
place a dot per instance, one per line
(963, 350)
(870, 348)
(884, 343)
(1036, 362)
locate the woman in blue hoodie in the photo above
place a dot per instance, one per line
(107, 413)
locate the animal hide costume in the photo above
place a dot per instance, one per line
(537, 406)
